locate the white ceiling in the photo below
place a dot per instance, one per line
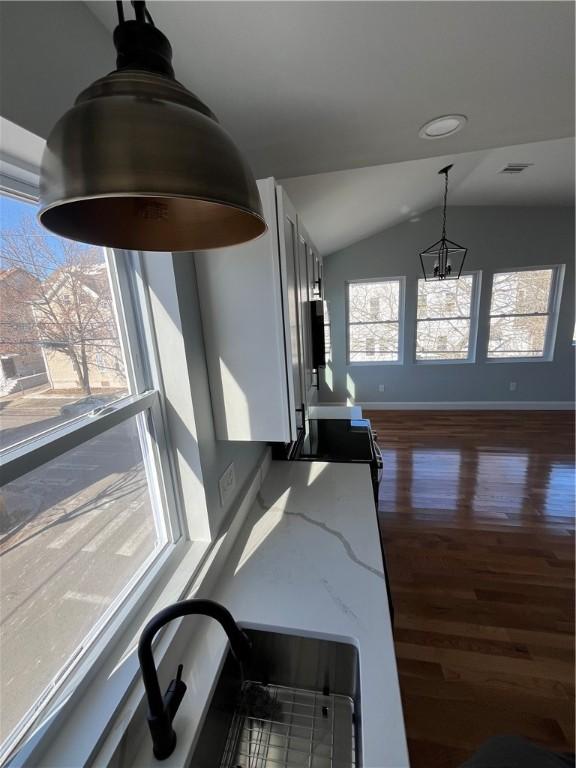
(308, 88)
(342, 207)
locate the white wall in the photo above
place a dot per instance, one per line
(497, 238)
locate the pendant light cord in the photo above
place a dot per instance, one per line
(445, 199)
(445, 172)
(142, 13)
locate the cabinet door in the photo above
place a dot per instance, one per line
(318, 279)
(311, 272)
(289, 258)
(304, 303)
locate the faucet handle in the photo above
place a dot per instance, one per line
(174, 694)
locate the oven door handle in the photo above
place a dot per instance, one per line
(378, 456)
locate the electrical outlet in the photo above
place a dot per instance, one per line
(227, 484)
(513, 385)
(380, 387)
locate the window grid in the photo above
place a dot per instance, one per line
(368, 311)
(537, 337)
(463, 324)
(69, 445)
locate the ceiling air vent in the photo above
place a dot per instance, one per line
(515, 167)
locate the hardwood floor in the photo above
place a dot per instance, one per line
(476, 515)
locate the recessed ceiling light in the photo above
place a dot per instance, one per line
(443, 126)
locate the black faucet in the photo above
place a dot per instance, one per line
(161, 710)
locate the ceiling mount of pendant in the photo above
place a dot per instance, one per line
(141, 163)
(444, 259)
(139, 44)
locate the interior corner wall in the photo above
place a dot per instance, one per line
(497, 238)
(215, 455)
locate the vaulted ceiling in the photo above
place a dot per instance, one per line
(342, 207)
(330, 96)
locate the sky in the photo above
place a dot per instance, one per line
(12, 212)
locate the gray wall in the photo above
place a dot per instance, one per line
(497, 238)
(49, 52)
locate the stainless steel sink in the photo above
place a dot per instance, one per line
(312, 718)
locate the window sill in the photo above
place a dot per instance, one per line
(444, 362)
(519, 360)
(363, 363)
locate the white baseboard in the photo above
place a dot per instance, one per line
(472, 405)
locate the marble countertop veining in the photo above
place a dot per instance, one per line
(308, 560)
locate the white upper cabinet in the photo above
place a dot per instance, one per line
(254, 300)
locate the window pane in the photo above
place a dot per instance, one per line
(327, 338)
(523, 292)
(374, 342)
(60, 351)
(446, 298)
(517, 336)
(442, 339)
(369, 302)
(74, 533)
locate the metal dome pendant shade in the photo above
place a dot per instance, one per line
(444, 259)
(140, 163)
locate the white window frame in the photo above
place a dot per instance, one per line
(474, 315)
(401, 304)
(553, 311)
(172, 453)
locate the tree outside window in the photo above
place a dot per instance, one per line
(520, 309)
(444, 319)
(56, 299)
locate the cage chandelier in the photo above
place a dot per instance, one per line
(444, 259)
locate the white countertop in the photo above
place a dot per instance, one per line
(308, 559)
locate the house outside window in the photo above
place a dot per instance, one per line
(375, 311)
(447, 319)
(523, 313)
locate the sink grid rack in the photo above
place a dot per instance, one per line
(307, 730)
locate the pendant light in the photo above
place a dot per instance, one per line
(140, 163)
(443, 260)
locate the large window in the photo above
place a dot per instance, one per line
(85, 506)
(446, 319)
(523, 311)
(374, 321)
